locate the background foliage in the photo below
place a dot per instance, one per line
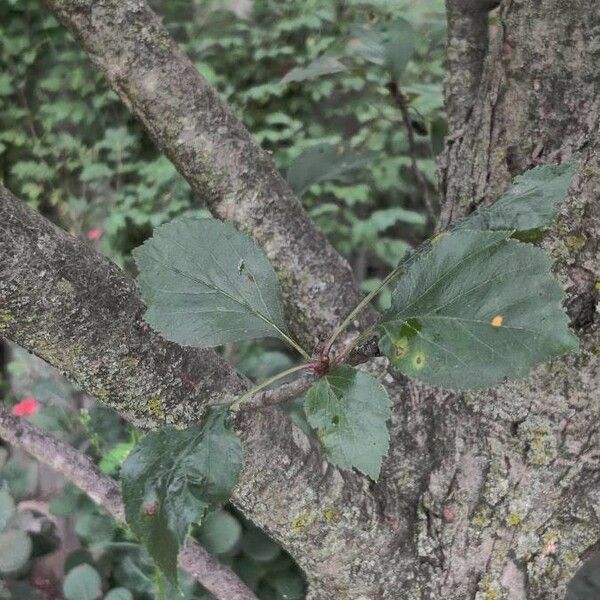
(69, 148)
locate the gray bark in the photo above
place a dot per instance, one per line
(488, 496)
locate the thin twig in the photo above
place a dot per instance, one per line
(245, 399)
(79, 469)
(294, 389)
(279, 395)
(402, 104)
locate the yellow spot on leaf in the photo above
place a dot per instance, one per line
(418, 360)
(497, 321)
(401, 347)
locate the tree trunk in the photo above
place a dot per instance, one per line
(512, 504)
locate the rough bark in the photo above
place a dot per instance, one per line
(512, 505)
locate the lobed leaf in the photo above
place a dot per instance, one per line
(476, 308)
(205, 284)
(530, 203)
(349, 409)
(173, 477)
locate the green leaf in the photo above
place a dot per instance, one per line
(473, 309)
(7, 507)
(349, 409)
(119, 593)
(530, 203)
(95, 528)
(399, 47)
(287, 584)
(205, 284)
(82, 583)
(15, 550)
(220, 532)
(321, 162)
(258, 546)
(113, 459)
(173, 477)
(324, 65)
(392, 45)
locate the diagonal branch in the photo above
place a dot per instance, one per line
(215, 153)
(104, 491)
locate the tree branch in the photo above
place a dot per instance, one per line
(215, 153)
(70, 306)
(79, 469)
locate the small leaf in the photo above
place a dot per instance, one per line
(324, 65)
(82, 583)
(205, 284)
(349, 409)
(530, 203)
(323, 162)
(95, 528)
(399, 47)
(220, 532)
(258, 546)
(7, 507)
(15, 549)
(473, 309)
(119, 593)
(173, 477)
(392, 45)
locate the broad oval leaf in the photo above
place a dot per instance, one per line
(173, 477)
(473, 309)
(220, 532)
(205, 284)
(82, 583)
(531, 202)
(349, 409)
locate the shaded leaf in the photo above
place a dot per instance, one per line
(321, 162)
(205, 284)
(258, 546)
(120, 593)
(172, 477)
(349, 409)
(473, 309)
(585, 584)
(7, 507)
(15, 550)
(324, 65)
(220, 532)
(82, 583)
(399, 47)
(530, 203)
(392, 45)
